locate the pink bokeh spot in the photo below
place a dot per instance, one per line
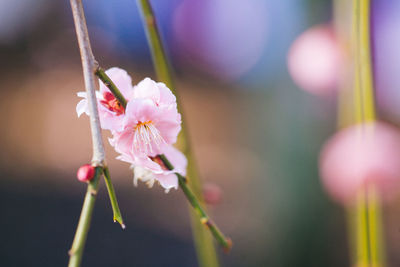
(315, 59)
(358, 155)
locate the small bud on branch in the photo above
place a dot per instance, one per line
(85, 173)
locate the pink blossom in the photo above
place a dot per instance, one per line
(359, 155)
(110, 110)
(147, 129)
(151, 169)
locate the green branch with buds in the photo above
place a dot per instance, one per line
(225, 243)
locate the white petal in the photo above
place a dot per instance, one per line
(82, 107)
(167, 181)
(144, 175)
(99, 95)
(81, 94)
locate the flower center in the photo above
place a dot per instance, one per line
(146, 135)
(112, 104)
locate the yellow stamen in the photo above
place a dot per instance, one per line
(146, 135)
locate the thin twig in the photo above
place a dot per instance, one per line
(89, 66)
(226, 243)
(78, 245)
(113, 198)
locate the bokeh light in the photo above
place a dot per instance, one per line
(223, 38)
(315, 60)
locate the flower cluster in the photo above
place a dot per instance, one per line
(148, 126)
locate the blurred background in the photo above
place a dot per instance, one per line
(256, 134)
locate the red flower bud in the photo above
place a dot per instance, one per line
(85, 173)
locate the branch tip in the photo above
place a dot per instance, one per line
(228, 246)
(121, 223)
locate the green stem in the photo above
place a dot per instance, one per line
(113, 198)
(365, 227)
(369, 232)
(364, 88)
(205, 249)
(226, 243)
(377, 255)
(82, 230)
(110, 84)
(362, 241)
(364, 62)
(161, 64)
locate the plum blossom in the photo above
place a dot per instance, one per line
(150, 126)
(148, 131)
(154, 170)
(110, 110)
(147, 127)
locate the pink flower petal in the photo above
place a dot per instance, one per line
(121, 79)
(159, 93)
(167, 180)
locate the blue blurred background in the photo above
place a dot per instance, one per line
(256, 135)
